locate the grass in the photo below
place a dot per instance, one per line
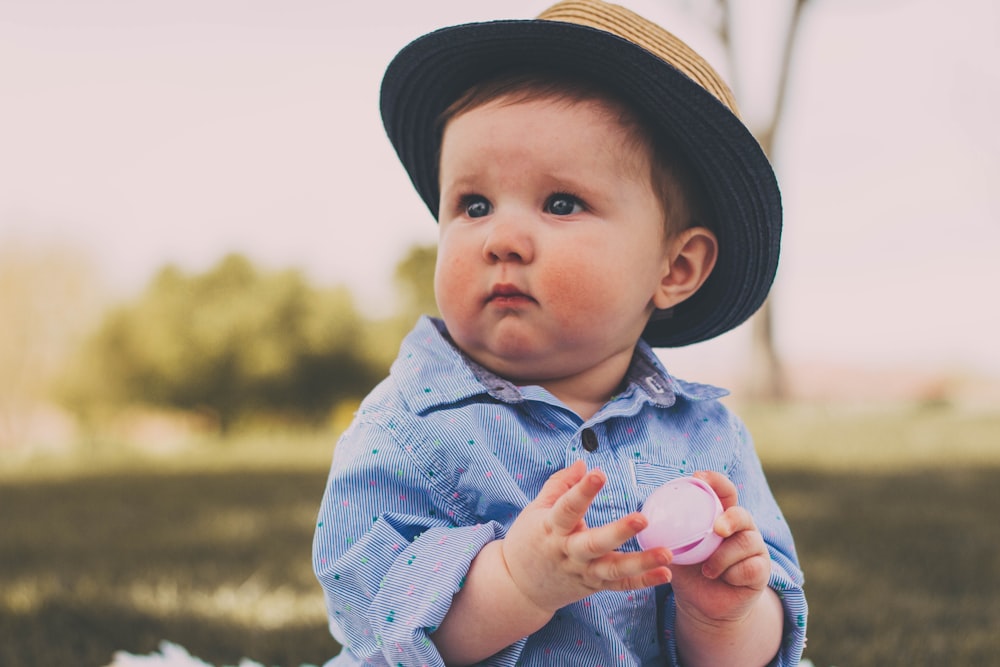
(873, 438)
(893, 514)
(218, 562)
(901, 568)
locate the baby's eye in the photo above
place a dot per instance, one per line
(476, 206)
(563, 204)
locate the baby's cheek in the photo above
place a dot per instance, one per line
(583, 293)
(452, 280)
(577, 284)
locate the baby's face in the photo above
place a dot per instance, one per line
(552, 249)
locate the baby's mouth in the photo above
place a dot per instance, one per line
(508, 295)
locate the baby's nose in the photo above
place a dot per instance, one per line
(508, 240)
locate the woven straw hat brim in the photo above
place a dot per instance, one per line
(431, 72)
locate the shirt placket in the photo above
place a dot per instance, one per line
(617, 499)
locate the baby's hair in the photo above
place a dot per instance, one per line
(674, 183)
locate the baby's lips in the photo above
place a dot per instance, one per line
(507, 291)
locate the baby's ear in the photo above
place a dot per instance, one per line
(690, 259)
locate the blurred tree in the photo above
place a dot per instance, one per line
(233, 342)
(766, 380)
(415, 281)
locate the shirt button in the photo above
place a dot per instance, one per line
(589, 440)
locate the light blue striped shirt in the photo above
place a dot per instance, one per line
(443, 455)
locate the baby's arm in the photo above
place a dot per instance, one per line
(388, 555)
(548, 559)
(726, 614)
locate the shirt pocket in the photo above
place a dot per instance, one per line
(649, 475)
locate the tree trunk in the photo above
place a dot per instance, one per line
(767, 376)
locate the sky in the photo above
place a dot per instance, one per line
(177, 131)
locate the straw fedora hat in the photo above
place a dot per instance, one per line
(669, 84)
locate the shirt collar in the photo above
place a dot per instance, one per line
(433, 373)
(647, 375)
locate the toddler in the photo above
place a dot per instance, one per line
(596, 196)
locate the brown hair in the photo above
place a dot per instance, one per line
(674, 184)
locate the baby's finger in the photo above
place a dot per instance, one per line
(560, 482)
(568, 510)
(628, 571)
(752, 572)
(722, 485)
(596, 542)
(732, 521)
(741, 560)
(655, 577)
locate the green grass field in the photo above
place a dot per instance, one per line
(893, 513)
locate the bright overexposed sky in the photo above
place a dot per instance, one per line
(155, 131)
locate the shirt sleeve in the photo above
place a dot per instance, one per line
(786, 577)
(386, 551)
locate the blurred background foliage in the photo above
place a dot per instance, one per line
(230, 348)
(228, 343)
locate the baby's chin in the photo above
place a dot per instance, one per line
(527, 367)
(518, 364)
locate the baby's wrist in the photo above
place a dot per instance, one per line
(523, 590)
(749, 634)
(517, 590)
(718, 618)
(690, 615)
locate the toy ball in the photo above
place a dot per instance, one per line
(681, 514)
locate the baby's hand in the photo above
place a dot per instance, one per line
(726, 586)
(555, 559)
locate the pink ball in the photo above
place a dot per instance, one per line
(681, 514)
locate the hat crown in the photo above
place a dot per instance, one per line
(647, 35)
